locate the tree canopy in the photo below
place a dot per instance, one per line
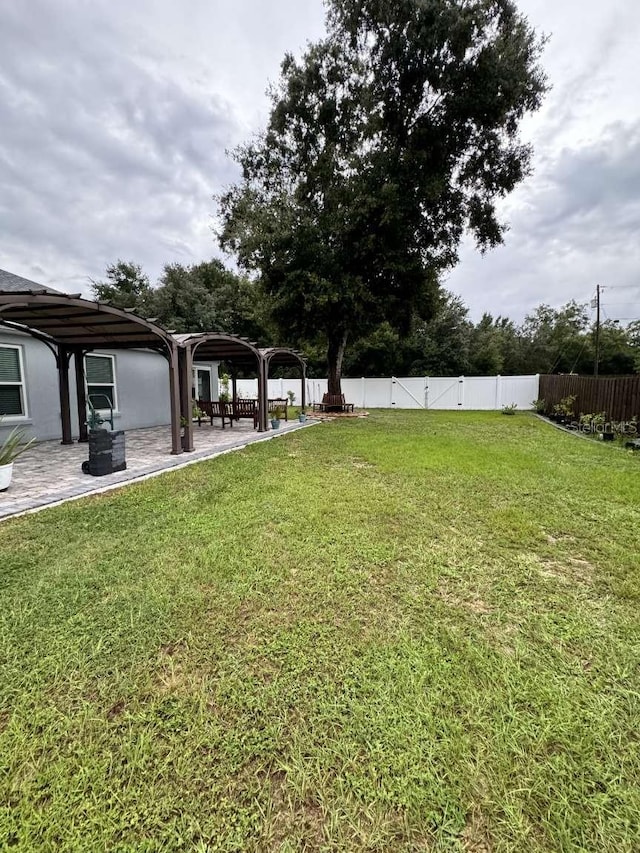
(442, 342)
(386, 141)
(126, 286)
(195, 298)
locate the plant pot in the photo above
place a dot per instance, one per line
(275, 424)
(608, 436)
(302, 418)
(6, 472)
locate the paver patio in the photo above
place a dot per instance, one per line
(51, 472)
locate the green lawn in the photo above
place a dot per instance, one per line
(416, 632)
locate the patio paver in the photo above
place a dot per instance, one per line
(50, 473)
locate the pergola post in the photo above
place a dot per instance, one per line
(174, 399)
(186, 402)
(303, 395)
(81, 395)
(234, 385)
(263, 394)
(62, 361)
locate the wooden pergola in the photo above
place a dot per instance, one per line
(284, 357)
(241, 354)
(71, 326)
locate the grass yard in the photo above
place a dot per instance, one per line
(416, 632)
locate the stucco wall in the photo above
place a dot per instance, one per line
(41, 388)
(142, 388)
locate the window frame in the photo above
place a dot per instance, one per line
(22, 385)
(113, 383)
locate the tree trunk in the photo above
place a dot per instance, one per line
(335, 354)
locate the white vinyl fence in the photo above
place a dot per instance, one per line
(414, 392)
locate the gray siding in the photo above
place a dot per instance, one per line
(142, 388)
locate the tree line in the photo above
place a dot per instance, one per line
(441, 341)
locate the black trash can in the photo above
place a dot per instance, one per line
(106, 452)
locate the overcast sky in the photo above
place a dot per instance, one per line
(115, 117)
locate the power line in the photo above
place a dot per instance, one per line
(575, 363)
(561, 351)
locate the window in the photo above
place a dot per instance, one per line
(101, 380)
(12, 396)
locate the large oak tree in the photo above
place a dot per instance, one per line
(385, 142)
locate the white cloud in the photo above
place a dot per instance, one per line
(575, 226)
(574, 223)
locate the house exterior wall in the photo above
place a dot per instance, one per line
(40, 389)
(142, 389)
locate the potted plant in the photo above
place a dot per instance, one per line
(12, 447)
(556, 413)
(275, 417)
(224, 396)
(600, 427)
(586, 422)
(302, 414)
(608, 432)
(563, 411)
(292, 397)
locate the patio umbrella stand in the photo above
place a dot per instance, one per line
(106, 452)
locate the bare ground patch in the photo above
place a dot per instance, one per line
(289, 818)
(475, 836)
(470, 600)
(570, 570)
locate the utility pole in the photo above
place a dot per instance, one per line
(597, 346)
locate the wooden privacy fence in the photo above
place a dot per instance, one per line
(618, 396)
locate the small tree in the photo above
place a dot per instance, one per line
(389, 139)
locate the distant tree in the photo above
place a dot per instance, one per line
(512, 347)
(208, 297)
(388, 140)
(195, 298)
(618, 353)
(126, 286)
(633, 338)
(557, 340)
(380, 353)
(485, 348)
(439, 346)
